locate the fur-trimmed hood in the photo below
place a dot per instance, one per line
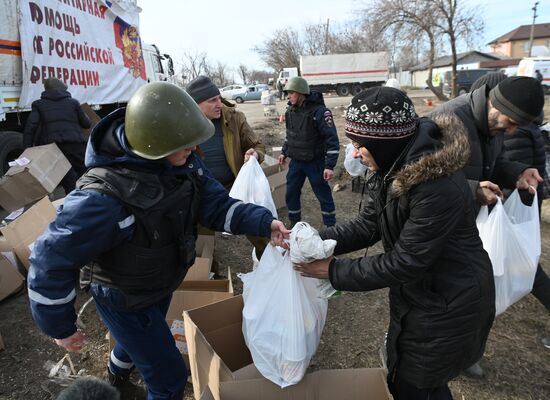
(439, 149)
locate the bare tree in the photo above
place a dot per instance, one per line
(193, 64)
(217, 73)
(243, 72)
(407, 15)
(457, 22)
(282, 50)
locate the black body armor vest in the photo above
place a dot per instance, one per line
(155, 261)
(303, 140)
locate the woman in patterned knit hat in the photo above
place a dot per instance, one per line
(419, 204)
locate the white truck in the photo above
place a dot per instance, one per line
(92, 45)
(530, 65)
(343, 73)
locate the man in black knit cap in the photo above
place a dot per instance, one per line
(516, 101)
(487, 114)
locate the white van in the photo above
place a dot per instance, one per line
(529, 66)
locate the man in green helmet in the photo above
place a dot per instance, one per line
(132, 223)
(313, 146)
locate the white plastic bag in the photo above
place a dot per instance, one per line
(511, 236)
(251, 186)
(306, 246)
(283, 318)
(353, 165)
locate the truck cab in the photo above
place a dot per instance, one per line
(285, 74)
(158, 67)
(530, 65)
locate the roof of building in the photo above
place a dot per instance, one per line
(447, 60)
(524, 32)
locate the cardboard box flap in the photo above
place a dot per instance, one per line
(11, 281)
(200, 270)
(24, 230)
(349, 384)
(216, 343)
(194, 294)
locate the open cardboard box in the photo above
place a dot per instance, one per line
(276, 176)
(193, 294)
(221, 364)
(11, 281)
(25, 229)
(24, 184)
(200, 270)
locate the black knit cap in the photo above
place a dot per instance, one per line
(383, 120)
(519, 97)
(202, 88)
(54, 83)
(491, 80)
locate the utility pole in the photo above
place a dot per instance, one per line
(533, 27)
(326, 37)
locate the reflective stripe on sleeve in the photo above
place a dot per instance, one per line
(37, 297)
(333, 152)
(126, 222)
(229, 216)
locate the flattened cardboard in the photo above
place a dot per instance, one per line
(24, 184)
(23, 231)
(221, 364)
(200, 270)
(11, 281)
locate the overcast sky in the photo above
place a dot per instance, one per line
(228, 30)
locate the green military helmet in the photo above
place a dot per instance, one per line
(297, 84)
(161, 119)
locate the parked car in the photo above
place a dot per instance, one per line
(464, 80)
(252, 92)
(227, 92)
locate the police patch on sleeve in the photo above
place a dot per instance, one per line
(328, 118)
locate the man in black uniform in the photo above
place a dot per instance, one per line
(313, 146)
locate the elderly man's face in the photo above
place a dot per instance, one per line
(212, 107)
(499, 122)
(365, 157)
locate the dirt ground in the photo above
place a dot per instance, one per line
(516, 364)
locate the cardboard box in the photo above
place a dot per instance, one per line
(24, 184)
(23, 231)
(193, 294)
(94, 119)
(276, 176)
(200, 270)
(221, 364)
(11, 281)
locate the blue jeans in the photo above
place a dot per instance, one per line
(144, 341)
(295, 179)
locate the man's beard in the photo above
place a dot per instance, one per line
(492, 122)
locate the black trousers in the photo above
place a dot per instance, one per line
(541, 287)
(403, 390)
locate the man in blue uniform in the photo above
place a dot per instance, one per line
(313, 146)
(132, 224)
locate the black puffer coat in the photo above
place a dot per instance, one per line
(442, 300)
(487, 160)
(59, 117)
(526, 145)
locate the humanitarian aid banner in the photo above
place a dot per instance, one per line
(86, 44)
